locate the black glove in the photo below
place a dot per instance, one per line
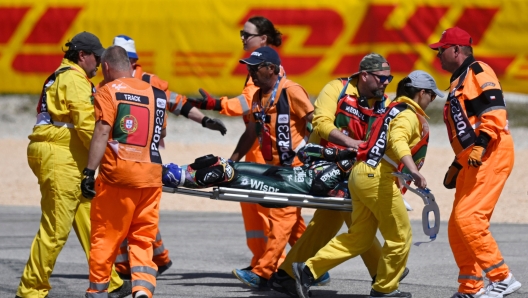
(207, 102)
(88, 183)
(214, 124)
(451, 175)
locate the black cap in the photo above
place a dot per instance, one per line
(260, 55)
(86, 41)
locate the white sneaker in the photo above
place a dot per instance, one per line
(478, 294)
(500, 288)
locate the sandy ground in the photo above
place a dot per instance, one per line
(187, 140)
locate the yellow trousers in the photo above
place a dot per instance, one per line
(376, 203)
(63, 206)
(324, 226)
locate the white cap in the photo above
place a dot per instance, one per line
(128, 44)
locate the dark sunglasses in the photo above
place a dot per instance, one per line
(431, 93)
(255, 68)
(441, 50)
(247, 35)
(383, 79)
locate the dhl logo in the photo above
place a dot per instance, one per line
(326, 28)
(319, 40)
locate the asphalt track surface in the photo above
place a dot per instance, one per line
(205, 247)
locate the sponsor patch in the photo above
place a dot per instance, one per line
(487, 84)
(370, 175)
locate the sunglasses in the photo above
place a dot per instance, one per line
(441, 50)
(383, 79)
(247, 35)
(255, 68)
(431, 93)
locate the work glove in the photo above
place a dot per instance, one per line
(451, 175)
(88, 184)
(214, 124)
(207, 102)
(475, 157)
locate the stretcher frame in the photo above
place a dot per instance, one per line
(266, 198)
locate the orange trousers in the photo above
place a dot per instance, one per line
(160, 255)
(477, 191)
(286, 226)
(118, 213)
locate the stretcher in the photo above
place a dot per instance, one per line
(276, 199)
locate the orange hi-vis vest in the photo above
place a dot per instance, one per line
(373, 150)
(138, 124)
(353, 116)
(465, 104)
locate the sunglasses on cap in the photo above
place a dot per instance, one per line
(247, 35)
(382, 78)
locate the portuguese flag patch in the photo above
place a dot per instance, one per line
(131, 125)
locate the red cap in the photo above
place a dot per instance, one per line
(453, 36)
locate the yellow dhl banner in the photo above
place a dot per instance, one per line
(196, 44)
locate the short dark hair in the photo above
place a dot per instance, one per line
(73, 55)
(265, 27)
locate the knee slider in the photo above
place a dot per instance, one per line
(204, 162)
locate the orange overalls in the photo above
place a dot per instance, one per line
(281, 130)
(129, 183)
(476, 105)
(255, 216)
(175, 104)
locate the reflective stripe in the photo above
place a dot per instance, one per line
(144, 269)
(96, 295)
(124, 244)
(487, 270)
(243, 104)
(143, 283)
(159, 250)
(472, 277)
(122, 258)
(45, 119)
(158, 236)
(99, 286)
(259, 234)
(389, 160)
(172, 102)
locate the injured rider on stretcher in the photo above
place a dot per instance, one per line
(324, 173)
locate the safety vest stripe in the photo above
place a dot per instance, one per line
(174, 107)
(144, 269)
(243, 104)
(472, 277)
(121, 258)
(258, 234)
(158, 236)
(99, 286)
(145, 78)
(124, 243)
(96, 295)
(143, 283)
(159, 250)
(161, 104)
(487, 270)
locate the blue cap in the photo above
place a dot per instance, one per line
(261, 55)
(128, 44)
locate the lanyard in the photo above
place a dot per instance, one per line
(263, 110)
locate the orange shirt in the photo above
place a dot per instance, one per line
(113, 169)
